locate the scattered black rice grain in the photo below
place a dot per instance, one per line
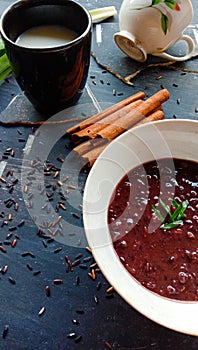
(78, 338)
(50, 240)
(20, 139)
(19, 131)
(11, 280)
(41, 311)
(4, 269)
(72, 187)
(71, 335)
(78, 256)
(77, 280)
(80, 311)
(196, 109)
(3, 180)
(110, 290)
(92, 274)
(14, 242)
(67, 259)
(88, 249)
(114, 92)
(36, 273)
(75, 262)
(98, 286)
(16, 206)
(21, 223)
(12, 228)
(7, 242)
(60, 159)
(96, 299)
(57, 250)
(25, 254)
(47, 291)
(76, 322)
(109, 296)
(87, 259)
(108, 345)
(178, 101)
(44, 243)
(2, 249)
(75, 215)
(93, 265)
(58, 281)
(174, 116)
(62, 206)
(175, 85)
(83, 266)
(29, 267)
(5, 331)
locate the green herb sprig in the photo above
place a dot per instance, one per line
(5, 68)
(175, 218)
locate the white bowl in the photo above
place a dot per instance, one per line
(168, 138)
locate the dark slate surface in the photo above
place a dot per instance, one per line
(102, 319)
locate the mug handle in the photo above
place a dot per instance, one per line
(191, 49)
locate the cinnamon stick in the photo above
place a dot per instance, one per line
(96, 117)
(134, 116)
(153, 117)
(88, 146)
(91, 155)
(91, 131)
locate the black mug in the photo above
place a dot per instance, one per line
(54, 77)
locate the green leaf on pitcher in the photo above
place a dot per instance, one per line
(164, 23)
(155, 2)
(172, 4)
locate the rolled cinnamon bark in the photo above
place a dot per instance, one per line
(155, 116)
(134, 116)
(91, 131)
(91, 154)
(96, 117)
(89, 145)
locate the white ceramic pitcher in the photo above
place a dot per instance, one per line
(152, 26)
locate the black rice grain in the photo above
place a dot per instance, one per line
(29, 267)
(47, 291)
(80, 311)
(78, 339)
(108, 345)
(36, 273)
(58, 281)
(5, 331)
(25, 254)
(42, 310)
(57, 250)
(76, 322)
(11, 280)
(71, 335)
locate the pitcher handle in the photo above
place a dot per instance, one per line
(191, 49)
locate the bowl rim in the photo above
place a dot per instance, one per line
(181, 316)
